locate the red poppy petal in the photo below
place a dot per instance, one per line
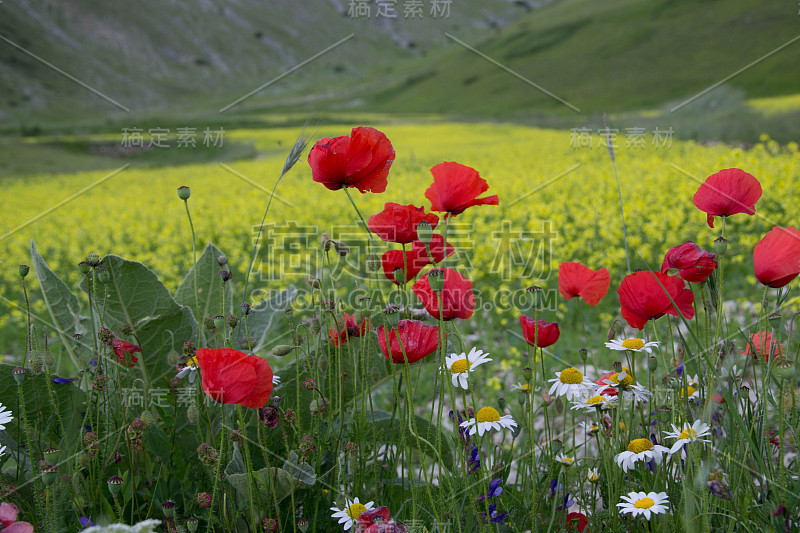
(776, 257)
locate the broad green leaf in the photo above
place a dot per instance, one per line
(63, 307)
(209, 287)
(236, 466)
(263, 479)
(136, 296)
(261, 319)
(40, 414)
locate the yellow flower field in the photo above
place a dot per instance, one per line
(540, 176)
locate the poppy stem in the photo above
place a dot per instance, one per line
(358, 212)
(619, 192)
(194, 270)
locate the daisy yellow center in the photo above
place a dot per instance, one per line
(567, 460)
(627, 381)
(644, 503)
(460, 366)
(571, 376)
(633, 344)
(688, 391)
(355, 510)
(688, 434)
(594, 400)
(640, 445)
(192, 362)
(487, 414)
(525, 387)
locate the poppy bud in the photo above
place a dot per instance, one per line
(35, 362)
(245, 307)
(282, 349)
(326, 242)
(48, 359)
(93, 259)
(424, 232)
(652, 363)
(316, 327)
(169, 508)
(341, 248)
(784, 369)
(103, 276)
(559, 406)
(399, 276)
(557, 445)
(148, 418)
(172, 357)
(219, 321)
(527, 373)
(436, 279)
(84, 267)
(720, 245)
(392, 315)
(515, 431)
(191, 414)
(322, 363)
(114, 485)
(184, 192)
(501, 403)
(374, 375)
(19, 374)
(222, 260)
(358, 316)
(191, 524)
(612, 333)
(774, 320)
(373, 262)
(23, 270)
(225, 275)
(83, 460)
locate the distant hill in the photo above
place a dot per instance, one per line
(151, 55)
(169, 57)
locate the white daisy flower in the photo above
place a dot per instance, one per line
(189, 370)
(734, 373)
(591, 402)
(460, 365)
(632, 345)
(637, 503)
(5, 417)
(2, 451)
(565, 459)
(275, 379)
(590, 429)
(593, 476)
(486, 419)
(694, 381)
(352, 510)
(689, 392)
(571, 383)
(640, 450)
(689, 434)
(522, 387)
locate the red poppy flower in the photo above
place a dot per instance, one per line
(391, 260)
(230, 376)
(608, 391)
(764, 345)
(458, 300)
(642, 297)
(377, 521)
(580, 517)
(415, 337)
(8, 519)
(123, 349)
(456, 187)
(547, 335)
(575, 279)
(726, 193)
(398, 223)
(693, 263)
(776, 257)
(349, 330)
(361, 160)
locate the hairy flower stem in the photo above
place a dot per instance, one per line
(221, 456)
(194, 270)
(619, 193)
(248, 466)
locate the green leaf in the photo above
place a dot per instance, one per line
(261, 319)
(263, 478)
(387, 430)
(236, 466)
(301, 472)
(136, 296)
(209, 287)
(62, 305)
